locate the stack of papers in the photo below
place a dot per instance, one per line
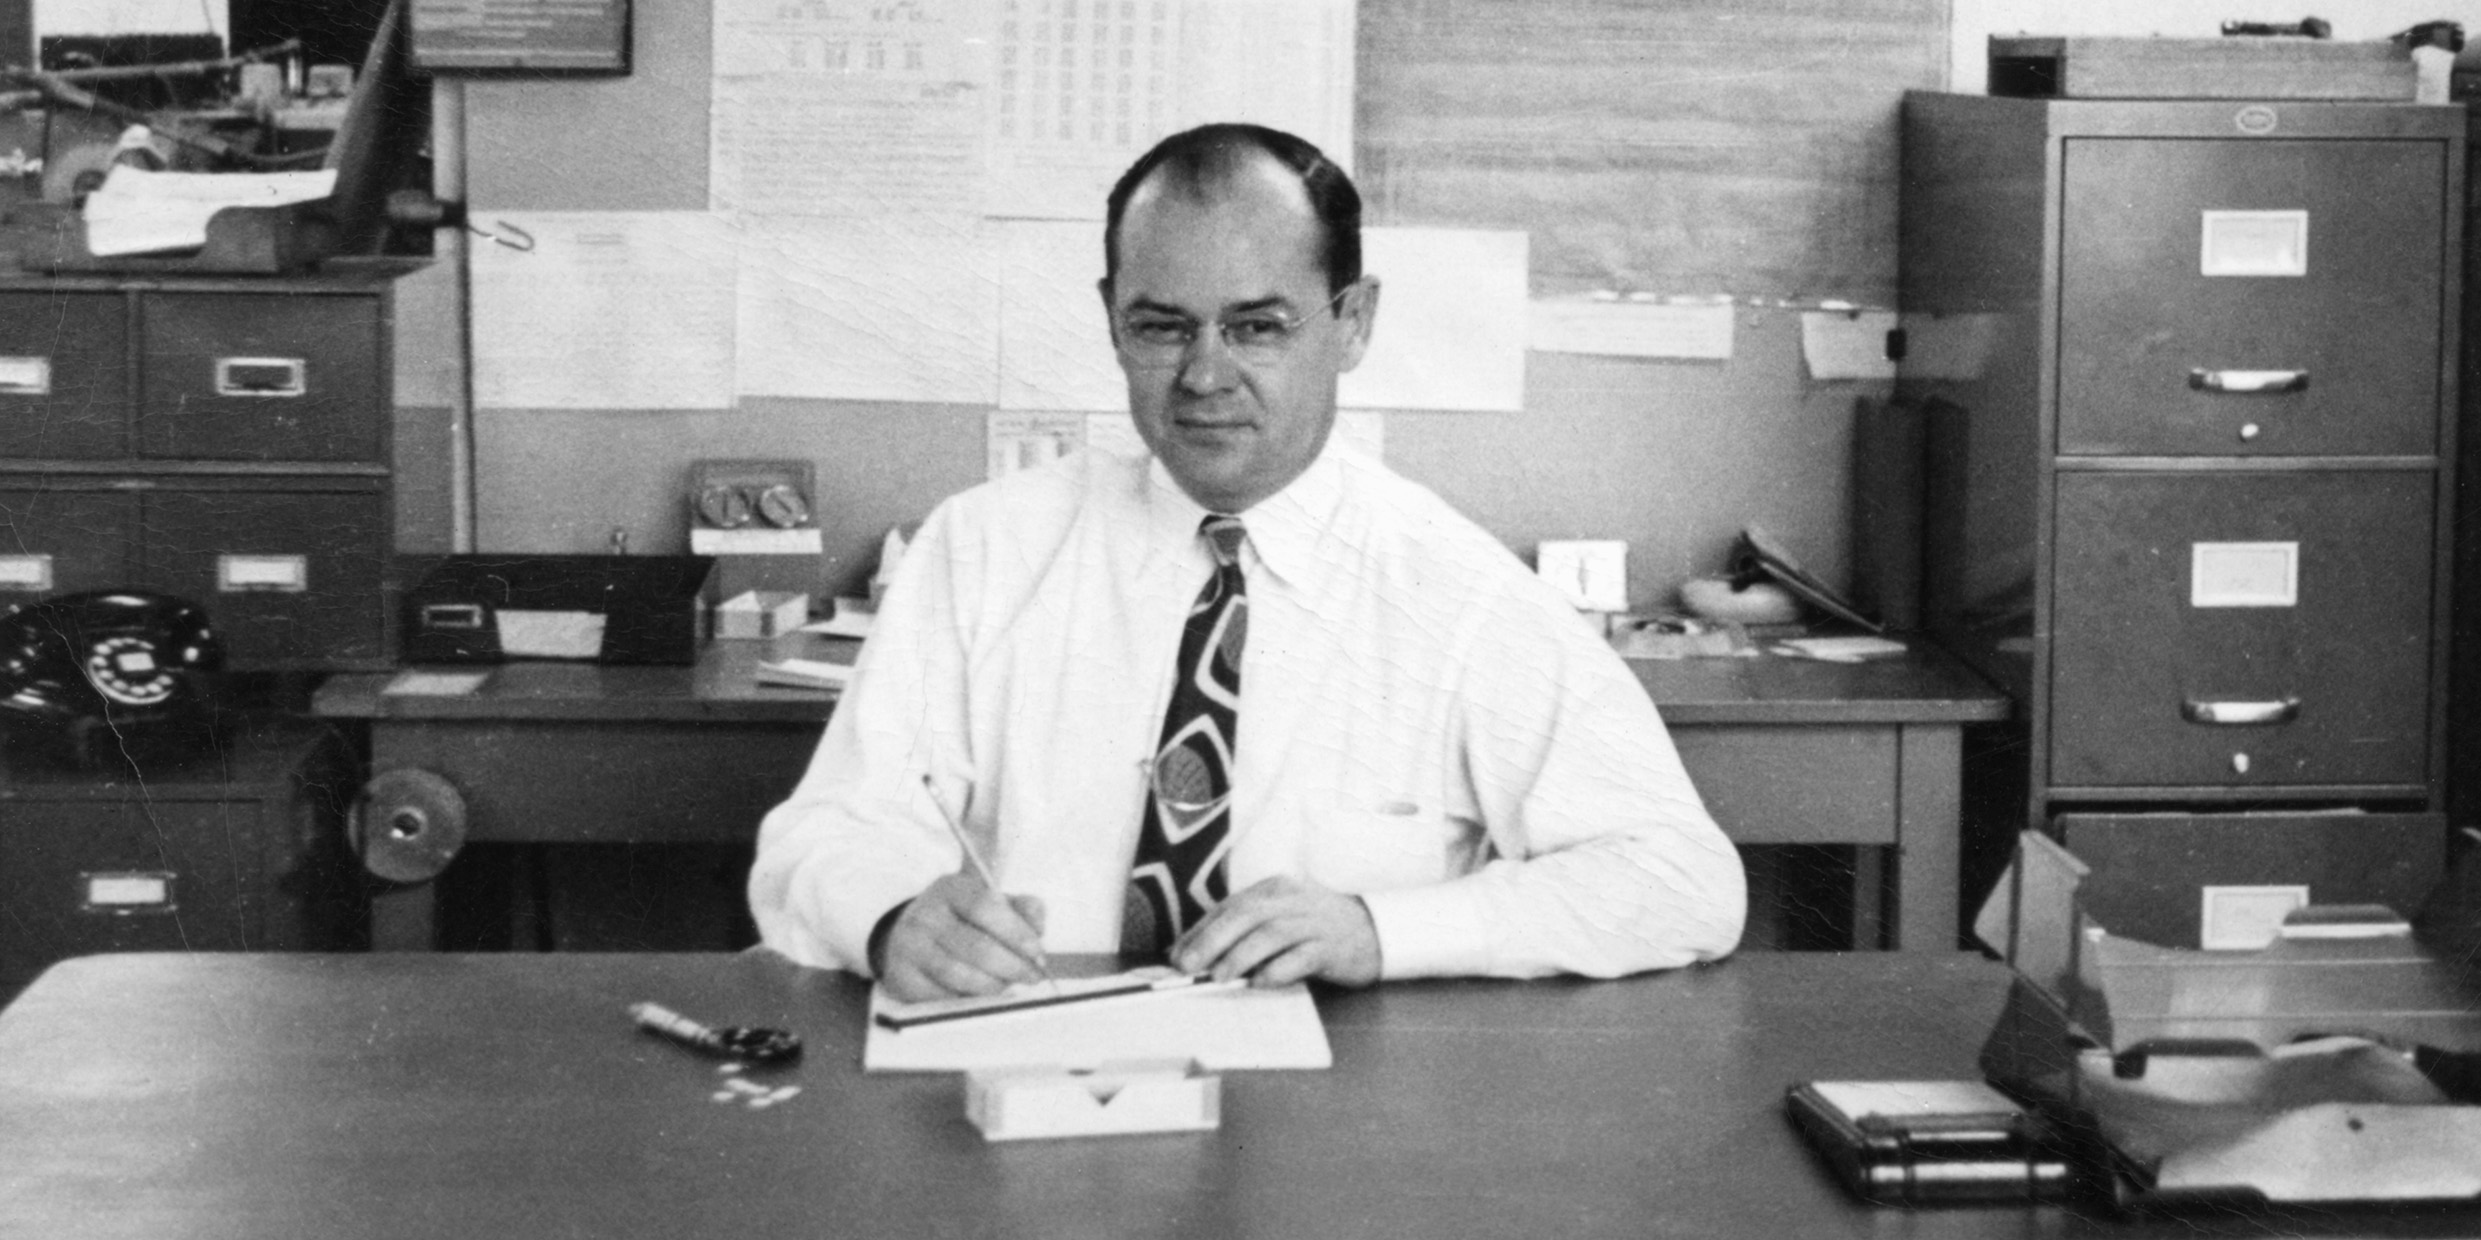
(1218, 1027)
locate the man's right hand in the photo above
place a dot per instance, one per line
(961, 938)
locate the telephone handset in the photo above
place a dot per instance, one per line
(116, 657)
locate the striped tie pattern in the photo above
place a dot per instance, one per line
(1179, 871)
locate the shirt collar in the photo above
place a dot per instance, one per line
(1284, 528)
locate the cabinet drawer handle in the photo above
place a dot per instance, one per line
(2240, 714)
(261, 376)
(2249, 382)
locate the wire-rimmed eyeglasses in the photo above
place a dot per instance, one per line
(1160, 340)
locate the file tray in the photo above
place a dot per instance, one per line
(257, 241)
(622, 609)
(2331, 1066)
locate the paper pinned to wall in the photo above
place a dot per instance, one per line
(1054, 341)
(1697, 329)
(1451, 327)
(848, 109)
(608, 310)
(1076, 101)
(880, 308)
(1847, 344)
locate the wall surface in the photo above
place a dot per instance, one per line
(1673, 457)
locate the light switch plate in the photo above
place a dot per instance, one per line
(1592, 573)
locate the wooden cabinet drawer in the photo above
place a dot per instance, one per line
(59, 540)
(231, 376)
(2149, 871)
(290, 577)
(2187, 263)
(64, 376)
(2185, 605)
(239, 850)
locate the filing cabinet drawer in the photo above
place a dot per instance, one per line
(289, 577)
(59, 540)
(64, 376)
(2202, 281)
(235, 850)
(2241, 629)
(2150, 871)
(264, 377)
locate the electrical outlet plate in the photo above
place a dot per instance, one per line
(1593, 574)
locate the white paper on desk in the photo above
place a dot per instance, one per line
(1451, 325)
(880, 308)
(1223, 1029)
(142, 212)
(608, 310)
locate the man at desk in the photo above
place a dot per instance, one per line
(1251, 700)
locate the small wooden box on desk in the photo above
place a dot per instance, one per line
(236, 849)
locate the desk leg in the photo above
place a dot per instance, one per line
(402, 919)
(1929, 843)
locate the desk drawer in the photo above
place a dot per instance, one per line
(1794, 785)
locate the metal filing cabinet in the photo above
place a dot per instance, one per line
(224, 440)
(2186, 370)
(236, 849)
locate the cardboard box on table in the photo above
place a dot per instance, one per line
(2304, 1072)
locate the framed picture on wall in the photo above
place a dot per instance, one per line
(520, 36)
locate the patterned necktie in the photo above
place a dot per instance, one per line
(1179, 871)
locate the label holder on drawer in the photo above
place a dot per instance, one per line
(25, 376)
(262, 574)
(30, 573)
(123, 893)
(261, 376)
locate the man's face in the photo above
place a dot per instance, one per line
(1232, 428)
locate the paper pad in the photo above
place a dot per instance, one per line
(1220, 1029)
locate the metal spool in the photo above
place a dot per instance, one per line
(407, 825)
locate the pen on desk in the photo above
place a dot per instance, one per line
(973, 858)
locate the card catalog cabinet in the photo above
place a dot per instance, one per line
(2186, 370)
(222, 440)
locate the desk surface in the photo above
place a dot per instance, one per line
(1921, 686)
(478, 1096)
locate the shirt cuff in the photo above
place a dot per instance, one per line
(1433, 931)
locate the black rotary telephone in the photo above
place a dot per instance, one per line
(111, 658)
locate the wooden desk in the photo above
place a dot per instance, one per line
(414, 1095)
(1786, 751)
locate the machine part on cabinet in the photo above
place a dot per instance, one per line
(407, 825)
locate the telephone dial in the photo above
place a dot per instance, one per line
(109, 658)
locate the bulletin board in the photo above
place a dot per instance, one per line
(1688, 147)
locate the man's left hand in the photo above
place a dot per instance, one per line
(1280, 931)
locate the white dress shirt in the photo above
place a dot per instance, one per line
(1423, 723)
